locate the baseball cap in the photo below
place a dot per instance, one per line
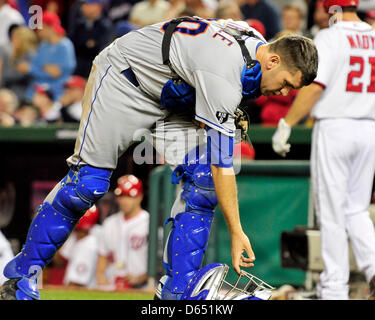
(44, 89)
(89, 219)
(341, 3)
(53, 20)
(75, 82)
(129, 185)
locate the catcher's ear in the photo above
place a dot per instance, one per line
(272, 61)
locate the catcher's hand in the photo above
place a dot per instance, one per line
(242, 121)
(240, 244)
(280, 138)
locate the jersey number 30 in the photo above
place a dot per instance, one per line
(197, 27)
(355, 74)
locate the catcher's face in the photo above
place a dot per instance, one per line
(278, 80)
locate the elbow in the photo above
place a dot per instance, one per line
(316, 89)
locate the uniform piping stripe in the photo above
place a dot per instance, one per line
(229, 131)
(88, 118)
(320, 84)
(258, 45)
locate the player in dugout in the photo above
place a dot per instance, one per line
(182, 81)
(122, 261)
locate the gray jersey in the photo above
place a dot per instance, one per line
(115, 111)
(202, 54)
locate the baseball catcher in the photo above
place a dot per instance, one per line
(164, 79)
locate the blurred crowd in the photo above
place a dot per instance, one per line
(44, 71)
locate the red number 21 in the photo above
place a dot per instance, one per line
(350, 86)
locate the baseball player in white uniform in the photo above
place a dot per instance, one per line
(342, 101)
(175, 79)
(124, 242)
(82, 251)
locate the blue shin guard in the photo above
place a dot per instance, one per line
(189, 236)
(187, 244)
(52, 225)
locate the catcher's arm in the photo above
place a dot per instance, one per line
(221, 157)
(226, 191)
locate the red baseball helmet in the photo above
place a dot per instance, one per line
(129, 185)
(341, 3)
(89, 219)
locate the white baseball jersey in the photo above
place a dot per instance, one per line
(6, 254)
(82, 256)
(343, 153)
(126, 240)
(205, 56)
(346, 70)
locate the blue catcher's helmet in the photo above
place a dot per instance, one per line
(209, 284)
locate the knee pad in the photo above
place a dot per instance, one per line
(80, 190)
(198, 187)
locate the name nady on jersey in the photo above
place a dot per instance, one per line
(361, 41)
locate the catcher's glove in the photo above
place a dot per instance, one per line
(242, 121)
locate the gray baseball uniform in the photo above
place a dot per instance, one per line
(118, 108)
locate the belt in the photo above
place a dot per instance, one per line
(129, 74)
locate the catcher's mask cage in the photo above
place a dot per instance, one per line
(209, 284)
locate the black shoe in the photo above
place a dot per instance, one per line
(372, 289)
(8, 291)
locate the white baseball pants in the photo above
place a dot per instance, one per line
(342, 169)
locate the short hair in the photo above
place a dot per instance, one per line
(349, 9)
(297, 53)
